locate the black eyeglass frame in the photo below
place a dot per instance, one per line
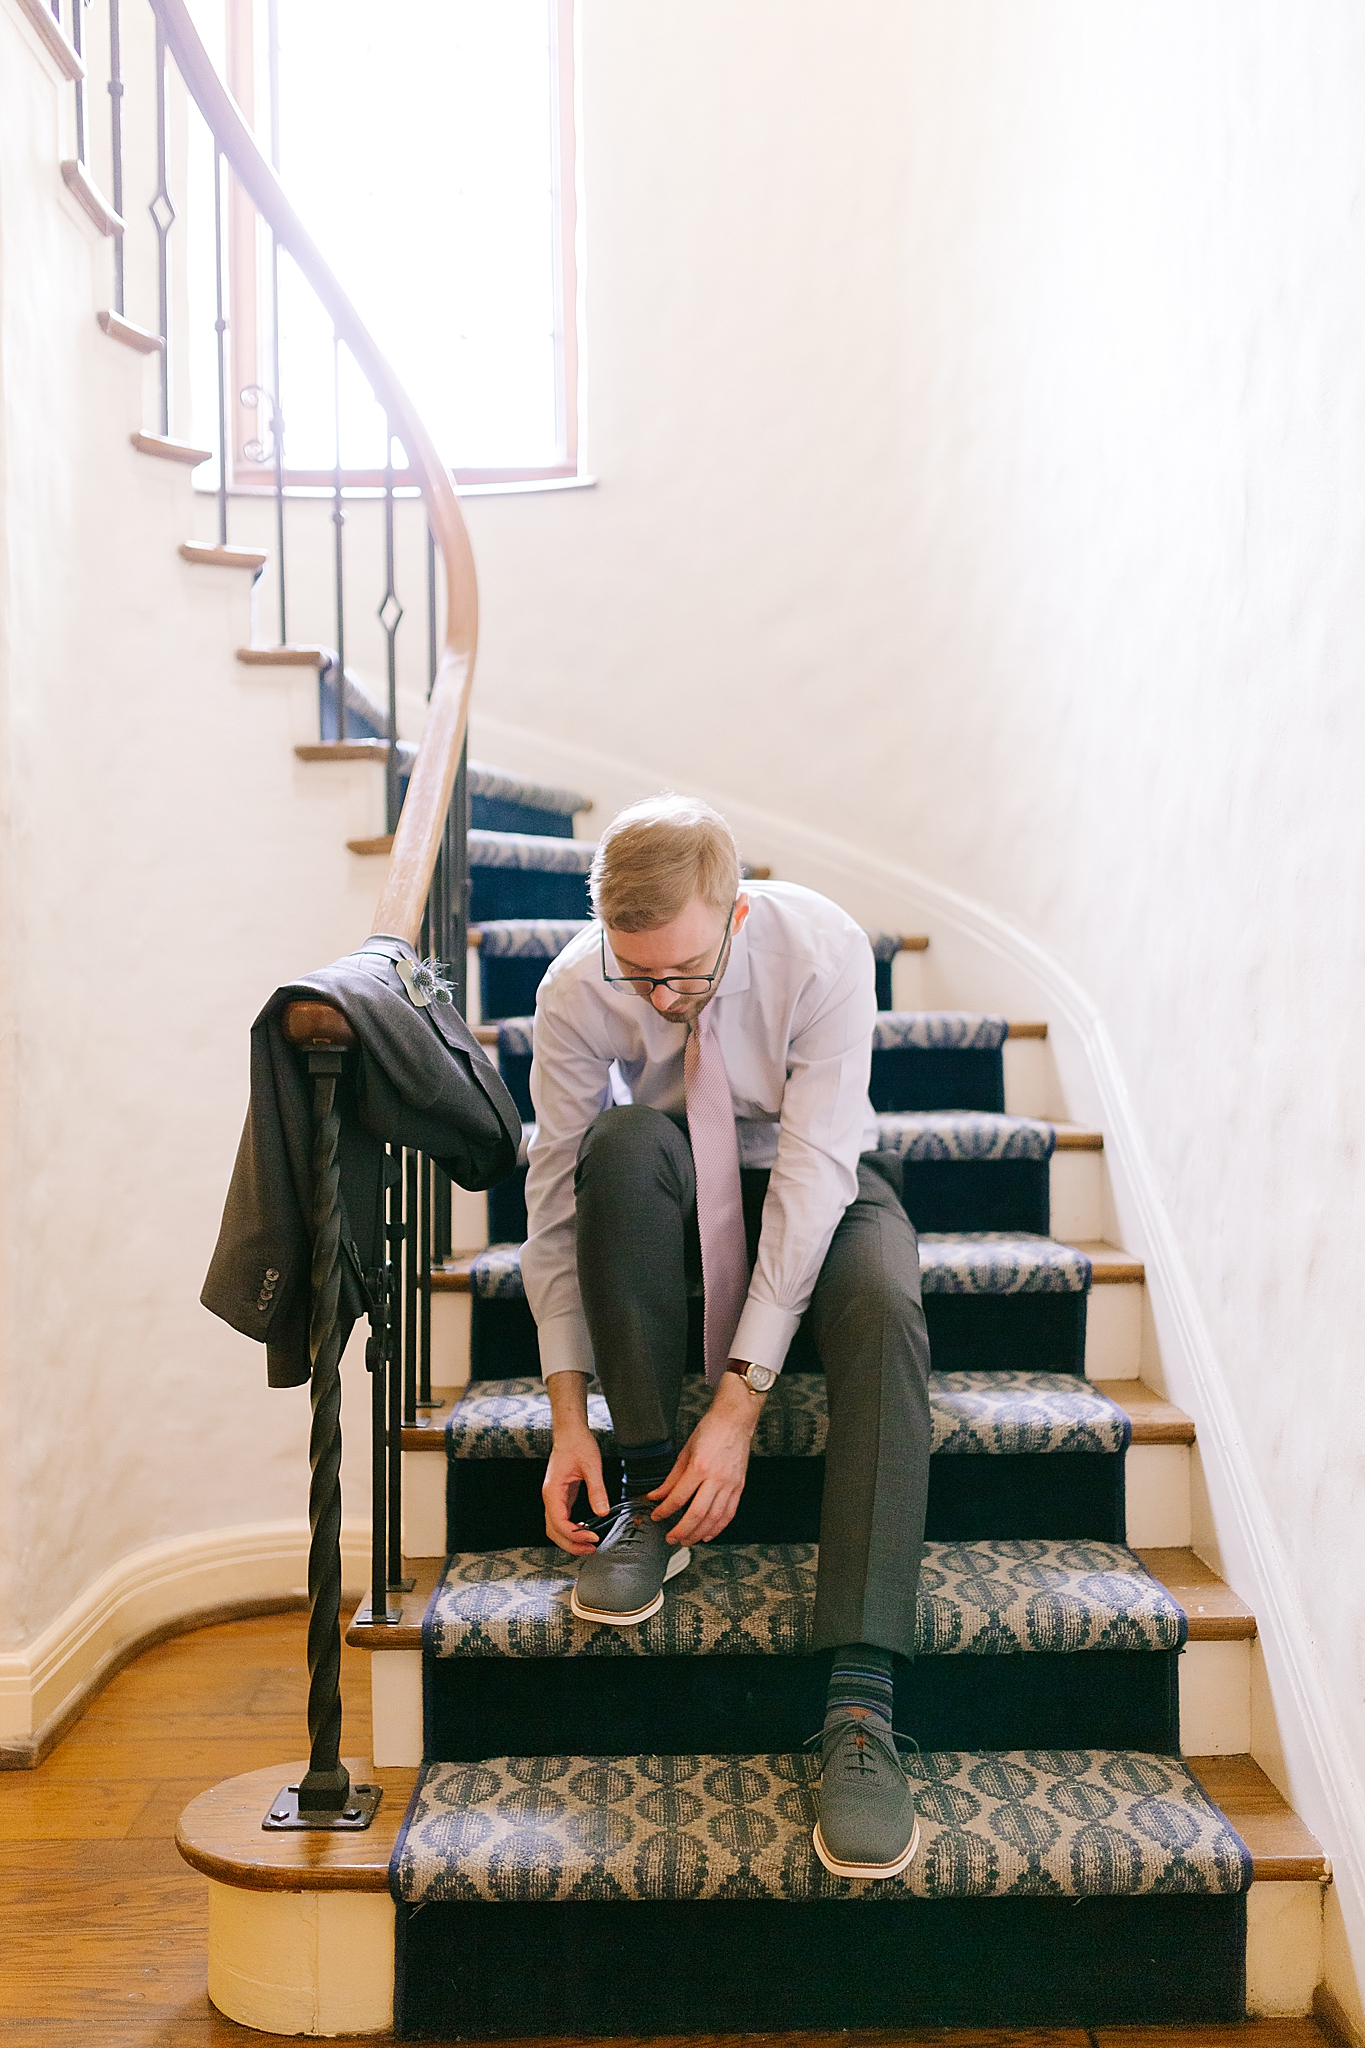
(636, 984)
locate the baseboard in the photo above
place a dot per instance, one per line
(978, 959)
(157, 1591)
(1334, 2020)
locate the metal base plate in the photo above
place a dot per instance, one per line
(358, 1812)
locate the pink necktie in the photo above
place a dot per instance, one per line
(720, 1210)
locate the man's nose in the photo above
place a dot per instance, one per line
(662, 998)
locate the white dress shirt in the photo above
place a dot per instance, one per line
(793, 1014)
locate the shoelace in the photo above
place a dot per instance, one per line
(609, 1526)
(866, 1731)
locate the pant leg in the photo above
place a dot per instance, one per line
(636, 1198)
(868, 1324)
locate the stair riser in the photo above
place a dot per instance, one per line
(729, 1966)
(274, 1964)
(1003, 1194)
(495, 814)
(494, 1504)
(1034, 1332)
(623, 1706)
(1213, 1679)
(525, 892)
(1070, 1205)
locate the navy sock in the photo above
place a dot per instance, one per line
(861, 1679)
(645, 1467)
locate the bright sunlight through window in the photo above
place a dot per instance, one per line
(419, 144)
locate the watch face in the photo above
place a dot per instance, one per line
(760, 1378)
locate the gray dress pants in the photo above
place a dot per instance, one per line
(638, 1261)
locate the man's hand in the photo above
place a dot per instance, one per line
(711, 1465)
(574, 1460)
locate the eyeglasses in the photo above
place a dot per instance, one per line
(680, 984)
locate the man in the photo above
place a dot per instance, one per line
(701, 1058)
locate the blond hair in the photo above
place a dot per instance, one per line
(655, 856)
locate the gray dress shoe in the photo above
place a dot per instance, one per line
(867, 1826)
(622, 1582)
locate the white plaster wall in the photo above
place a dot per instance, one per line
(164, 864)
(978, 413)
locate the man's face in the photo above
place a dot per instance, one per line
(687, 946)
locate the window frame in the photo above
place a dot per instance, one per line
(248, 339)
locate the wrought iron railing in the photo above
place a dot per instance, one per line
(425, 895)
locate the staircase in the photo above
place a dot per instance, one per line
(597, 1830)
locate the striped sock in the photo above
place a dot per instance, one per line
(861, 1679)
(645, 1467)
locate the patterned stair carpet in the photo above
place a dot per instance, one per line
(1042, 1823)
(982, 1262)
(973, 1414)
(1021, 1644)
(612, 1832)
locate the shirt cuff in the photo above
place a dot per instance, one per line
(764, 1334)
(565, 1345)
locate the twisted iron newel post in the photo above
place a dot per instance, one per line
(324, 1037)
(327, 1784)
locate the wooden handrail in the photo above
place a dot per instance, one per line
(421, 825)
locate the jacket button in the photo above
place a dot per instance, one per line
(271, 1273)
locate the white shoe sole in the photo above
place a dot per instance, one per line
(868, 1872)
(616, 1619)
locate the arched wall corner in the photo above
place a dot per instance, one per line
(979, 959)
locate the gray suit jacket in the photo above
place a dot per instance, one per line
(419, 1079)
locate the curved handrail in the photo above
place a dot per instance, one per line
(421, 823)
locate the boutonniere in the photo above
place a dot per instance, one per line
(426, 981)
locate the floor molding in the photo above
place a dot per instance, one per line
(158, 1591)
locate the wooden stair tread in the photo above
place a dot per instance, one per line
(90, 199)
(54, 39)
(1216, 1614)
(344, 750)
(487, 1034)
(1076, 1137)
(406, 1633)
(220, 1834)
(383, 844)
(285, 657)
(1109, 1263)
(1283, 1849)
(129, 333)
(428, 1433)
(1155, 1420)
(171, 451)
(214, 557)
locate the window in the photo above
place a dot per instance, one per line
(430, 151)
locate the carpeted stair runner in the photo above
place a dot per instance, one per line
(1055, 1447)
(1020, 1644)
(612, 1831)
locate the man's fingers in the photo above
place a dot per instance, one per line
(597, 1492)
(681, 1491)
(711, 1509)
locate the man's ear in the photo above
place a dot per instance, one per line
(741, 911)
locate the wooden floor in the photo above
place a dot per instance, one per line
(103, 1928)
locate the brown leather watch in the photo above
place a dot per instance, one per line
(757, 1378)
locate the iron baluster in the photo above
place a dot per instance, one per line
(339, 566)
(458, 828)
(274, 66)
(424, 1189)
(76, 40)
(411, 1284)
(220, 328)
(396, 1583)
(390, 616)
(116, 140)
(163, 219)
(431, 609)
(378, 1353)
